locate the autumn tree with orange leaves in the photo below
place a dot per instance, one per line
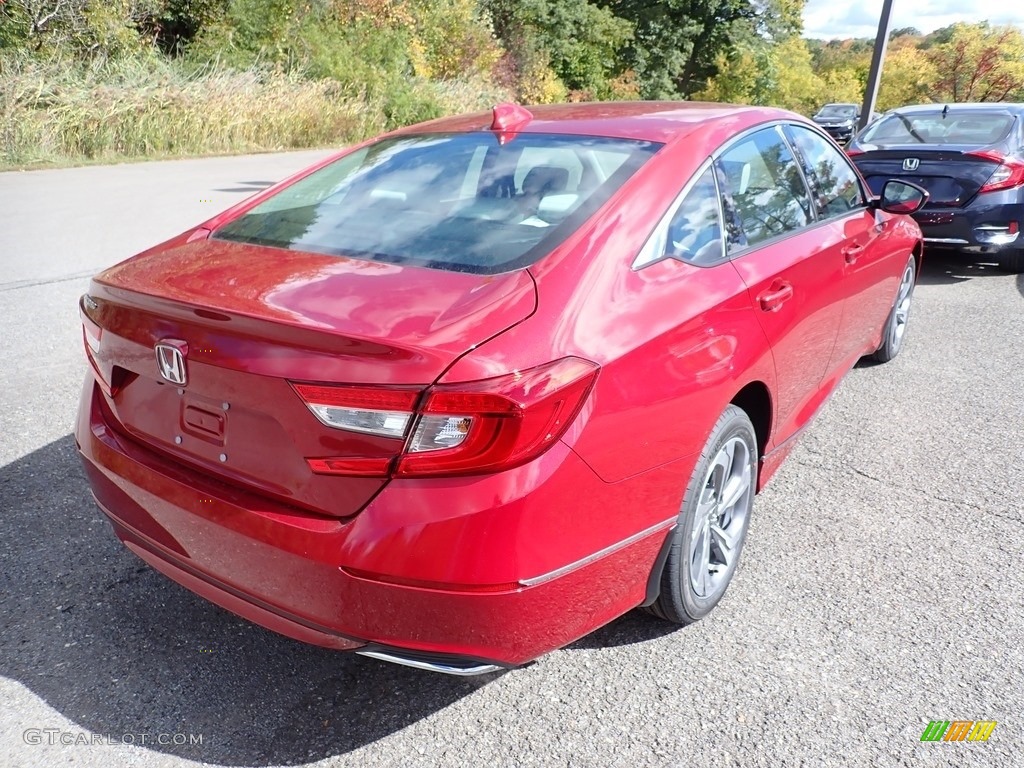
(978, 62)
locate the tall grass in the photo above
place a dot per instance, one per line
(54, 112)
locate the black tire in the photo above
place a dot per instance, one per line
(1012, 261)
(681, 600)
(895, 332)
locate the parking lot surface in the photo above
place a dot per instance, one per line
(881, 587)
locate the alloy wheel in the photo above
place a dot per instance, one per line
(721, 519)
(901, 311)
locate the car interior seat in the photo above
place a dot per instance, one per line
(540, 182)
(545, 180)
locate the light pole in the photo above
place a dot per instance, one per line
(875, 72)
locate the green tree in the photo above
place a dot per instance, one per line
(73, 28)
(451, 39)
(679, 45)
(746, 77)
(579, 41)
(841, 54)
(173, 24)
(904, 32)
(797, 85)
(780, 75)
(908, 77)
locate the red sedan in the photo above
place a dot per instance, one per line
(462, 394)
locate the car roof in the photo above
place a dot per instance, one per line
(989, 106)
(660, 121)
(839, 104)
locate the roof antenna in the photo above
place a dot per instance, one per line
(509, 117)
(945, 111)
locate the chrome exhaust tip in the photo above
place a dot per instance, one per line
(432, 662)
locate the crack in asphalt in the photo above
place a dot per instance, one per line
(47, 281)
(923, 491)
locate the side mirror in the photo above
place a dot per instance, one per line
(901, 197)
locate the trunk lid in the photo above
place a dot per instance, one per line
(951, 174)
(249, 320)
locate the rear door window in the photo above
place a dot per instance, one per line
(763, 190)
(834, 183)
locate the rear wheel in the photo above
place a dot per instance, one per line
(1012, 261)
(708, 538)
(899, 315)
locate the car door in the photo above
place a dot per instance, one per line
(794, 277)
(856, 231)
(853, 229)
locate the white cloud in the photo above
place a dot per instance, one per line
(826, 19)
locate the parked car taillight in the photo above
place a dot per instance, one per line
(92, 338)
(1008, 174)
(456, 429)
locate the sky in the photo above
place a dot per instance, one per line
(828, 19)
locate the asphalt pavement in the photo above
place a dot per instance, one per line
(881, 587)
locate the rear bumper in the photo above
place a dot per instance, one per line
(978, 228)
(470, 574)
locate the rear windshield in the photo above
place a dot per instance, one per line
(978, 128)
(837, 110)
(465, 202)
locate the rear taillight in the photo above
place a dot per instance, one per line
(455, 429)
(92, 337)
(375, 411)
(852, 152)
(498, 423)
(1007, 175)
(92, 334)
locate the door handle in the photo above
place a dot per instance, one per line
(852, 252)
(779, 294)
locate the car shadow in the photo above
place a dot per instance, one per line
(948, 267)
(630, 629)
(118, 649)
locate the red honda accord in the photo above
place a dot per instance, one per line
(464, 393)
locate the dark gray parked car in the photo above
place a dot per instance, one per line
(970, 158)
(840, 120)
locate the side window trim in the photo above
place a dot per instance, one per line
(801, 167)
(730, 217)
(655, 249)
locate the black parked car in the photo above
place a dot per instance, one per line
(840, 120)
(970, 158)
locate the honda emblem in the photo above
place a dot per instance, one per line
(170, 358)
(911, 163)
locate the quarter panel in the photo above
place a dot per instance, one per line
(676, 342)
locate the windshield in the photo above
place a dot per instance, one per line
(844, 111)
(466, 202)
(977, 128)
